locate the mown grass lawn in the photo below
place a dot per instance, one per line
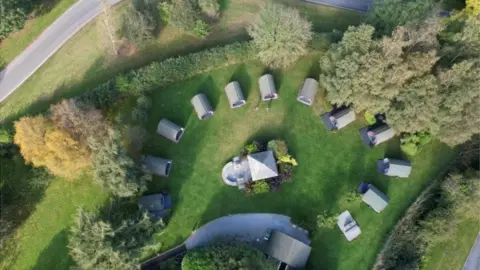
(330, 165)
(452, 254)
(83, 62)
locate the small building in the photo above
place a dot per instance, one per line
(170, 130)
(308, 91)
(262, 165)
(394, 167)
(376, 135)
(235, 95)
(338, 118)
(376, 199)
(157, 205)
(348, 226)
(202, 106)
(288, 250)
(158, 166)
(267, 87)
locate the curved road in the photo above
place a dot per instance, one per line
(24, 65)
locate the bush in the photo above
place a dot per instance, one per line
(353, 197)
(288, 159)
(102, 96)
(144, 102)
(114, 169)
(411, 143)
(182, 14)
(5, 135)
(136, 27)
(278, 147)
(281, 35)
(202, 29)
(326, 220)
(210, 8)
(327, 105)
(226, 256)
(370, 118)
(409, 149)
(13, 16)
(259, 187)
(251, 148)
(286, 171)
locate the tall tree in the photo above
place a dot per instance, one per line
(368, 74)
(464, 43)
(97, 243)
(280, 34)
(386, 15)
(114, 169)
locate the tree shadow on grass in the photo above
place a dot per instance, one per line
(42, 7)
(56, 255)
(209, 88)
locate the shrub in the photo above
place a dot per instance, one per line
(411, 143)
(210, 8)
(144, 102)
(286, 171)
(202, 29)
(281, 35)
(14, 15)
(101, 96)
(260, 187)
(288, 159)
(370, 118)
(136, 27)
(251, 148)
(410, 149)
(326, 220)
(353, 197)
(182, 14)
(5, 135)
(225, 256)
(114, 169)
(278, 147)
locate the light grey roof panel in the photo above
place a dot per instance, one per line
(394, 167)
(288, 249)
(170, 130)
(158, 166)
(375, 199)
(202, 106)
(343, 117)
(262, 165)
(267, 87)
(308, 91)
(235, 95)
(382, 134)
(152, 203)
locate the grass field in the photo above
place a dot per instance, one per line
(83, 62)
(44, 16)
(453, 253)
(330, 165)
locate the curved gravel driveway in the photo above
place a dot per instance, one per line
(246, 227)
(25, 64)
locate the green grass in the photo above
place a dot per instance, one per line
(17, 42)
(452, 254)
(330, 165)
(83, 62)
(42, 240)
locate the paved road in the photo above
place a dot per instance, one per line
(355, 5)
(473, 260)
(246, 227)
(24, 65)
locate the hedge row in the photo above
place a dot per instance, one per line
(160, 74)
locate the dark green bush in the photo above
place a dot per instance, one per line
(102, 96)
(13, 15)
(326, 220)
(278, 147)
(202, 29)
(260, 187)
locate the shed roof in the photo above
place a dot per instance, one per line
(394, 167)
(382, 133)
(158, 166)
(288, 249)
(267, 87)
(262, 165)
(343, 117)
(170, 130)
(235, 95)
(202, 106)
(375, 199)
(157, 205)
(308, 91)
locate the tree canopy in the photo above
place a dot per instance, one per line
(280, 34)
(97, 243)
(13, 15)
(405, 75)
(225, 256)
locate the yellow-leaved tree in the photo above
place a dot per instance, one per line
(473, 7)
(43, 144)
